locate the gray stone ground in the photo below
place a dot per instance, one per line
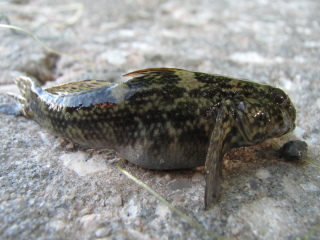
(52, 190)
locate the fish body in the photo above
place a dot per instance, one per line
(163, 118)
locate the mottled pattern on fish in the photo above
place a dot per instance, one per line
(163, 118)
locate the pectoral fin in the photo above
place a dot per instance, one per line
(219, 144)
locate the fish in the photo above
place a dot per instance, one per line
(162, 118)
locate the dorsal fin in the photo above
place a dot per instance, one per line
(152, 71)
(80, 86)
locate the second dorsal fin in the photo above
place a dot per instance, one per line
(80, 86)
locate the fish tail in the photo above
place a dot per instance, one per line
(20, 105)
(26, 86)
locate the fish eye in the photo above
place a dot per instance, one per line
(279, 99)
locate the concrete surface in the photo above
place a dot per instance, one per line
(53, 190)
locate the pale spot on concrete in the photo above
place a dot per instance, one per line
(57, 225)
(90, 222)
(103, 232)
(311, 44)
(179, 183)
(318, 103)
(130, 211)
(299, 59)
(310, 187)
(291, 188)
(115, 201)
(299, 132)
(83, 164)
(10, 88)
(263, 174)
(115, 57)
(198, 177)
(47, 138)
(269, 219)
(248, 57)
(163, 211)
(84, 211)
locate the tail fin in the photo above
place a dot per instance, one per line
(20, 106)
(24, 84)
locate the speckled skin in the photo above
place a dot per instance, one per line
(163, 118)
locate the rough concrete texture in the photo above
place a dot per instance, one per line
(53, 190)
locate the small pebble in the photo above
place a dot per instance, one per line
(103, 232)
(294, 150)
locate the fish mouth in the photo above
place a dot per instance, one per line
(289, 128)
(289, 117)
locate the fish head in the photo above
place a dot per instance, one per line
(263, 113)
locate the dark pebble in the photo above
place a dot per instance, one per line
(294, 150)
